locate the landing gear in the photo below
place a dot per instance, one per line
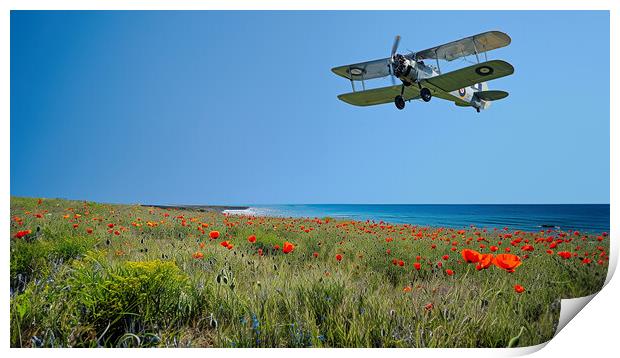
(425, 93)
(399, 101)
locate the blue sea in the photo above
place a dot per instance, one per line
(593, 218)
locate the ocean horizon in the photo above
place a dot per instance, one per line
(592, 218)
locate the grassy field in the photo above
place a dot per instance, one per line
(89, 275)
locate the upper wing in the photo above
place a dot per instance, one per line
(468, 76)
(364, 70)
(379, 95)
(483, 42)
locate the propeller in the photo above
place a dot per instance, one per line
(395, 45)
(394, 49)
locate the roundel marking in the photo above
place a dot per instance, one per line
(484, 70)
(462, 92)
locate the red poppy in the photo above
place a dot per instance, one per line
(519, 289)
(276, 247)
(214, 234)
(198, 255)
(417, 266)
(338, 257)
(445, 257)
(252, 238)
(388, 251)
(260, 252)
(527, 248)
(449, 272)
(428, 307)
(470, 256)
(401, 263)
(288, 247)
(485, 262)
(110, 225)
(407, 289)
(89, 230)
(23, 233)
(493, 248)
(224, 243)
(564, 254)
(315, 254)
(507, 262)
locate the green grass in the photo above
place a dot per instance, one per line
(143, 287)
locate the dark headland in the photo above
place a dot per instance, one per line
(203, 208)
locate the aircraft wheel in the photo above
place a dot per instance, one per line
(399, 101)
(425, 93)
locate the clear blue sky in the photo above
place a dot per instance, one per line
(241, 108)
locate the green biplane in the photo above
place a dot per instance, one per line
(466, 87)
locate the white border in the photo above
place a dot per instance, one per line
(592, 333)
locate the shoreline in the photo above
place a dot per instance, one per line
(201, 208)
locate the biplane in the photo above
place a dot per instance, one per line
(466, 87)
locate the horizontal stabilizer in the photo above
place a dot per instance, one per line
(491, 95)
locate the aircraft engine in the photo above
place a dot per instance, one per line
(401, 66)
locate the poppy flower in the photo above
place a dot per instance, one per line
(198, 255)
(315, 254)
(224, 243)
(485, 261)
(507, 262)
(401, 263)
(89, 230)
(288, 247)
(110, 225)
(519, 289)
(445, 257)
(527, 248)
(449, 272)
(260, 252)
(470, 256)
(276, 247)
(214, 234)
(417, 266)
(564, 254)
(338, 257)
(23, 233)
(428, 307)
(493, 248)
(252, 239)
(388, 251)
(407, 289)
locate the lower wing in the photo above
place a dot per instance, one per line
(379, 95)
